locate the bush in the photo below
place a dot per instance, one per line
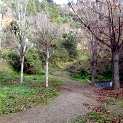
(60, 57)
(70, 44)
(34, 60)
(104, 71)
(80, 69)
(32, 64)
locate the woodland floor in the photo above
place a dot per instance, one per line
(69, 104)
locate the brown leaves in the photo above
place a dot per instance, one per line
(109, 93)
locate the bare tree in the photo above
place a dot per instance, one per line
(21, 29)
(104, 20)
(1, 17)
(45, 33)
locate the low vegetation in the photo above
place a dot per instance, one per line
(96, 117)
(109, 111)
(16, 97)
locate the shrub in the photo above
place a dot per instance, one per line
(104, 71)
(70, 44)
(34, 60)
(32, 64)
(80, 69)
(60, 57)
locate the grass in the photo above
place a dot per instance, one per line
(16, 97)
(116, 107)
(83, 79)
(78, 119)
(96, 117)
(120, 103)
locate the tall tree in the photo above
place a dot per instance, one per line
(1, 17)
(45, 34)
(104, 20)
(21, 28)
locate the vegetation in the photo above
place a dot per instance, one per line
(44, 45)
(32, 61)
(70, 44)
(110, 111)
(95, 117)
(15, 97)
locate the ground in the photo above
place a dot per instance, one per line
(69, 104)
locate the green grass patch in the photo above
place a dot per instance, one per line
(16, 97)
(19, 97)
(84, 79)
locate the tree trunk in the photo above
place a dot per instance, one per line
(0, 30)
(115, 67)
(47, 68)
(93, 78)
(93, 60)
(22, 68)
(0, 42)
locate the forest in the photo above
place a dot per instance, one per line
(61, 61)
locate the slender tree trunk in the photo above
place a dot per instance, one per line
(0, 30)
(0, 41)
(47, 68)
(93, 60)
(22, 68)
(115, 67)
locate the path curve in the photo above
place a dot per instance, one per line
(67, 105)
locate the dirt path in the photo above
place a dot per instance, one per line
(66, 106)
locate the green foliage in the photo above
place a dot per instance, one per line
(94, 117)
(33, 59)
(15, 97)
(60, 57)
(105, 74)
(33, 7)
(80, 69)
(6, 76)
(54, 13)
(82, 75)
(99, 117)
(32, 64)
(70, 44)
